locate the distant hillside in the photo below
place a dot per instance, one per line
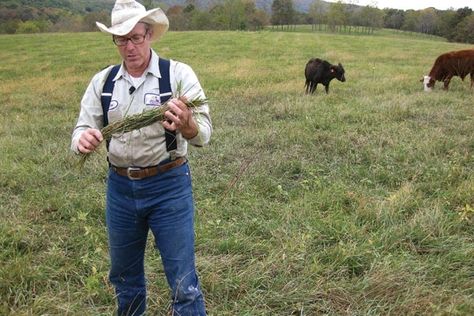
(98, 5)
(299, 5)
(77, 6)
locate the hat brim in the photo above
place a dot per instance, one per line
(155, 17)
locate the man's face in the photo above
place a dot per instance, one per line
(135, 48)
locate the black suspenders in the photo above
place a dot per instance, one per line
(165, 95)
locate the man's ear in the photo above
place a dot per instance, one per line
(150, 32)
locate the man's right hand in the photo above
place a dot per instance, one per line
(89, 140)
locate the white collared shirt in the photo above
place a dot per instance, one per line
(146, 146)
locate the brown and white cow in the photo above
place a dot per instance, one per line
(456, 63)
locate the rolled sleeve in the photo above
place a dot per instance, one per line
(185, 83)
(90, 115)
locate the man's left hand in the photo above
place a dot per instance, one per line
(179, 117)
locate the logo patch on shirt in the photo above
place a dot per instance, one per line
(113, 105)
(152, 99)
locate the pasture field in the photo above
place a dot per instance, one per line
(360, 202)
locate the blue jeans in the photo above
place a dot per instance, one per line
(163, 204)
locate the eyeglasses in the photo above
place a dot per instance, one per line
(135, 39)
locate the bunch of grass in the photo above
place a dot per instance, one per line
(140, 120)
(137, 121)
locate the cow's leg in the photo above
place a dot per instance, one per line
(313, 88)
(327, 89)
(446, 82)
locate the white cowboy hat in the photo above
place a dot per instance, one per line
(127, 13)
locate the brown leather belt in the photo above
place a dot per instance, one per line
(137, 173)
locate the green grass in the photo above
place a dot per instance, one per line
(360, 202)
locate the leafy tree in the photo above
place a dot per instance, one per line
(8, 14)
(394, 19)
(462, 13)
(201, 20)
(148, 4)
(254, 18)
(28, 14)
(465, 30)
(411, 18)
(178, 18)
(288, 12)
(189, 8)
(277, 18)
(68, 23)
(317, 13)
(371, 18)
(233, 14)
(457, 18)
(336, 15)
(351, 12)
(219, 20)
(447, 23)
(27, 27)
(257, 20)
(428, 21)
(9, 27)
(282, 12)
(192, 3)
(91, 17)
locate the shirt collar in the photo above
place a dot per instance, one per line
(153, 67)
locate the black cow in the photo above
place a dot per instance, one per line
(321, 71)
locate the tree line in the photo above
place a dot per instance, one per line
(26, 16)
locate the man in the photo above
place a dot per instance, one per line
(149, 184)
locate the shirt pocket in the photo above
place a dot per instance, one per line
(115, 113)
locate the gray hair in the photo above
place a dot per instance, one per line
(148, 27)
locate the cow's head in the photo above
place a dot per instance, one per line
(338, 72)
(428, 83)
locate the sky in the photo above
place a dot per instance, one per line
(415, 4)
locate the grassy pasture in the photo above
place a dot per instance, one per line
(360, 202)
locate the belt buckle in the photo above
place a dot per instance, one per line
(131, 169)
